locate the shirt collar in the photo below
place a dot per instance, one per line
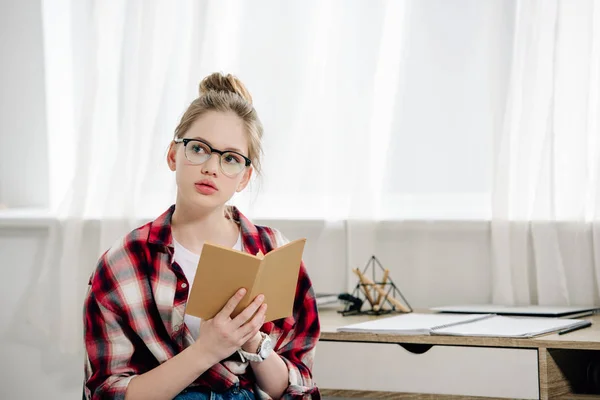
(160, 230)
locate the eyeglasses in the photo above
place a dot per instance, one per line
(198, 152)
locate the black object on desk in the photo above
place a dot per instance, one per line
(585, 324)
(354, 304)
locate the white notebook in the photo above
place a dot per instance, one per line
(463, 325)
(412, 323)
(532, 310)
(515, 327)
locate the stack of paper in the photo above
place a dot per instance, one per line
(531, 310)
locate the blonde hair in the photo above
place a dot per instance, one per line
(218, 92)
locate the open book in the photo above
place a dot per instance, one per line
(411, 324)
(515, 327)
(222, 271)
(463, 325)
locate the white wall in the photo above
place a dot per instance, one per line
(24, 373)
(23, 183)
(23, 168)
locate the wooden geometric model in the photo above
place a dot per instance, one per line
(379, 291)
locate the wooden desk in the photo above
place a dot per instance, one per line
(547, 367)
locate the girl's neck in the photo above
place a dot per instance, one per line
(191, 228)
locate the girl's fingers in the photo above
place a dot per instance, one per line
(252, 326)
(232, 304)
(248, 312)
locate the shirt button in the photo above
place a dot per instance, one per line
(183, 285)
(177, 328)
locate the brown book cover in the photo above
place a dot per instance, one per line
(222, 271)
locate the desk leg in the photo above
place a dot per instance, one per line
(553, 382)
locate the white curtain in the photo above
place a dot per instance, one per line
(120, 74)
(111, 107)
(545, 243)
(382, 117)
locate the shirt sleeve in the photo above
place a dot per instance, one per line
(108, 351)
(298, 348)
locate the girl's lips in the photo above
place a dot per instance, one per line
(204, 188)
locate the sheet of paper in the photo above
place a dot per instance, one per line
(501, 326)
(410, 324)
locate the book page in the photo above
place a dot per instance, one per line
(221, 272)
(278, 279)
(500, 326)
(410, 324)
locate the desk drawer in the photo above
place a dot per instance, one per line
(454, 370)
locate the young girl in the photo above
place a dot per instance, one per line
(140, 344)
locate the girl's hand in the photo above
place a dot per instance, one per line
(222, 336)
(252, 344)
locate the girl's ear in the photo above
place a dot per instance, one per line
(171, 155)
(246, 178)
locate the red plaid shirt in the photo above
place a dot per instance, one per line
(134, 316)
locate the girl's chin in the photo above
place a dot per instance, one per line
(207, 202)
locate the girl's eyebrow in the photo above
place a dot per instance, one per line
(209, 143)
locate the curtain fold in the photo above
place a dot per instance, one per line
(545, 183)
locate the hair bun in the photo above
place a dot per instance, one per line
(224, 83)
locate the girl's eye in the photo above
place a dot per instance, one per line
(198, 149)
(230, 158)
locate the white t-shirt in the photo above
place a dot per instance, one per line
(188, 262)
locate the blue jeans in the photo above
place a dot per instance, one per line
(234, 393)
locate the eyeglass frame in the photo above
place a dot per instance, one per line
(185, 142)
